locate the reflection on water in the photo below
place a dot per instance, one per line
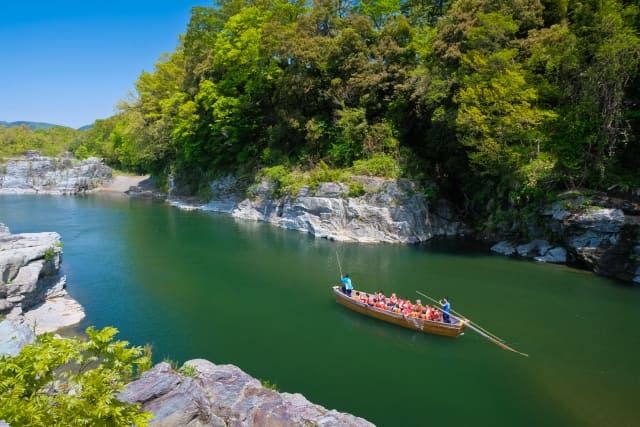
(205, 285)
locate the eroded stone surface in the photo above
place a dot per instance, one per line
(224, 395)
(45, 175)
(600, 233)
(391, 211)
(31, 289)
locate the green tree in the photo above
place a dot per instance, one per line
(70, 381)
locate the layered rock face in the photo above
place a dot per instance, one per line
(32, 292)
(44, 175)
(392, 211)
(599, 233)
(224, 395)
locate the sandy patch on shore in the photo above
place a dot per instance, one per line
(121, 183)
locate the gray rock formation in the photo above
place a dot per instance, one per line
(503, 248)
(392, 211)
(539, 250)
(44, 175)
(224, 395)
(31, 288)
(599, 233)
(14, 336)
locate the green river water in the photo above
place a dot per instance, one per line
(199, 285)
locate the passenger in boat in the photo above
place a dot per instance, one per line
(393, 300)
(418, 306)
(347, 287)
(363, 298)
(408, 305)
(446, 307)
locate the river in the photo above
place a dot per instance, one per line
(198, 285)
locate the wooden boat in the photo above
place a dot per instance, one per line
(452, 329)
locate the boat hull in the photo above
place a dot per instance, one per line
(426, 326)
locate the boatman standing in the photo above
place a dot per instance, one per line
(347, 287)
(446, 308)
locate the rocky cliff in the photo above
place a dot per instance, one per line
(204, 394)
(32, 291)
(599, 233)
(35, 174)
(392, 211)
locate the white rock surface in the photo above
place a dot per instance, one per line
(45, 175)
(31, 289)
(14, 336)
(391, 211)
(54, 314)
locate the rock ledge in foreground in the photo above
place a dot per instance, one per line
(224, 395)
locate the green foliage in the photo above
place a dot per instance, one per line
(188, 371)
(49, 253)
(53, 141)
(268, 384)
(497, 102)
(377, 165)
(71, 381)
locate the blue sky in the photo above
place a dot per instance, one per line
(70, 62)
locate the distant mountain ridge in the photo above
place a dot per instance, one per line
(37, 125)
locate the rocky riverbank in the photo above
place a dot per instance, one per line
(204, 394)
(390, 211)
(33, 295)
(33, 300)
(598, 233)
(35, 174)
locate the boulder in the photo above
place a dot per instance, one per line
(557, 255)
(222, 395)
(14, 336)
(503, 248)
(533, 248)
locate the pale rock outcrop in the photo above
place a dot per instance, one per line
(392, 211)
(36, 174)
(14, 336)
(224, 395)
(32, 292)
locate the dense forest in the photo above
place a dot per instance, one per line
(49, 141)
(499, 104)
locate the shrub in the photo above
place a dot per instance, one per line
(268, 384)
(72, 381)
(49, 253)
(188, 371)
(356, 189)
(377, 165)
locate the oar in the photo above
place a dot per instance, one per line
(469, 322)
(488, 335)
(339, 266)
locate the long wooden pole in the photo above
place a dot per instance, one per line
(488, 335)
(339, 266)
(469, 322)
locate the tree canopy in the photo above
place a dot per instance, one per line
(499, 102)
